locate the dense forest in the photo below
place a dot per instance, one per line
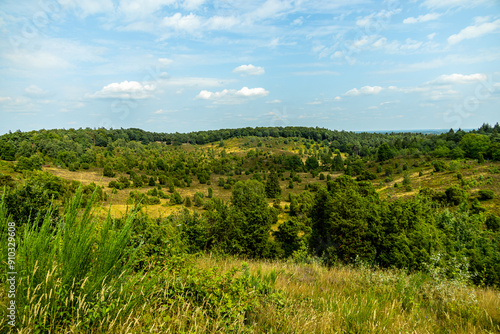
(423, 204)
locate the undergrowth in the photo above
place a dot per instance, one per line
(81, 274)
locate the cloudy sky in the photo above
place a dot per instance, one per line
(188, 65)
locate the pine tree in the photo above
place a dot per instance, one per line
(273, 189)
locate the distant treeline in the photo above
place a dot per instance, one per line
(483, 142)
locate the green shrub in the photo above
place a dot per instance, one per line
(486, 194)
(108, 171)
(439, 166)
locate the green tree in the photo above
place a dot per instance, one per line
(287, 236)
(473, 144)
(32, 163)
(251, 219)
(385, 152)
(7, 151)
(273, 189)
(312, 163)
(338, 162)
(151, 182)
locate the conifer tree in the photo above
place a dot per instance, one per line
(273, 189)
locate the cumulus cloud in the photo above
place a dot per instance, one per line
(475, 31)
(125, 90)
(366, 90)
(422, 18)
(457, 78)
(232, 96)
(249, 70)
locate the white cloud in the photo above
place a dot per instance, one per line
(315, 73)
(187, 23)
(437, 95)
(475, 31)
(194, 82)
(5, 99)
(366, 90)
(222, 22)
(35, 91)
(142, 8)
(422, 18)
(232, 96)
(453, 3)
(88, 7)
(338, 98)
(162, 112)
(298, 21)
(125, 90)
(55, 53)
(375, 20)
(431, 36)
(455, 59)
(270, 9)
(192, 4)
(457, 78)
(194, 24)
(249, 70)
(165, 61)
(274, 101)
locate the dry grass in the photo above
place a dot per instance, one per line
(359, 300)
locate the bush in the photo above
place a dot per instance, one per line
(493, 222)
(486, 194)
(439, 166)
(153, 200)
(108, 171)
(455, 195)
(32, 163)
(176, 198)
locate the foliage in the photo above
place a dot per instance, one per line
(486, 194)
(273, 188)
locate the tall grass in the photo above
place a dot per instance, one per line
(71, 271)
(76, 277)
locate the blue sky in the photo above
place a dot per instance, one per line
(188, 65)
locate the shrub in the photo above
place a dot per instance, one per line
(176, 198)
(108, 171)
(439, 166)
(486, 194)
(455, 195)
(493, 222)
